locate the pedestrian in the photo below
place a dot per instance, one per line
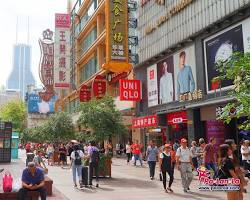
(50, 152)
(28, 147)
(118, 149)
(166, 166)
(94, 161)
(62, 154)
(184, 164)
(195, 154)
(176, 145)
(32, 180)
(245, 153)
(200, 152)
(151, 154)
(210, 156)
(76, 164)
(38, 160)
(228, 168)
(128, 151)
(136, 150)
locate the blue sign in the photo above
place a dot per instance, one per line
(37, 105)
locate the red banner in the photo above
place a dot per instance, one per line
(130, 90)
(177, 117)
(143, 122)
(85, 94)
(99, 86)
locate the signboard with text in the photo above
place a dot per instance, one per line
(99, 87)
(117, 36)
(143, 122)
(177, 117)
(85, 93)
(62, 51)
(130, 90)
(152, 86)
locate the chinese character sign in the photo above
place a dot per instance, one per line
(99, 87)
(47, 65)
(62, 51)
(143, 122)
(117, 40)
(85, 93)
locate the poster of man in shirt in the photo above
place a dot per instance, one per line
(165, 74)
(185, 71)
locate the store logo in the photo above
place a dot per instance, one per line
(177, 120)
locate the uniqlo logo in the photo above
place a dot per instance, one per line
(151, 74)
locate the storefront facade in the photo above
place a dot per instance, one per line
(179, 44)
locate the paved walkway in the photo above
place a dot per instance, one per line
(128, 182)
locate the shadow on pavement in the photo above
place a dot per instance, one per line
(130, 183)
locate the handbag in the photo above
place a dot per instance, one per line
(7, 182)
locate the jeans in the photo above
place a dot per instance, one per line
(152, 165)
(137, 157)
(23, 191)
(78, 169)
(186, 174)
(164, 177)
(128, 157)
(212, 166)
(93, 166)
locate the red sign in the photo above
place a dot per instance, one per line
(114, 77)
(85, 94)
(142, 122)
(62, 21)
(177, 117)
(99, 86)
(130, 90)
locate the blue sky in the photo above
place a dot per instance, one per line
(41, 16)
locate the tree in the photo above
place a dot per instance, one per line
(15, 112)
(237, 68)
(101, 118)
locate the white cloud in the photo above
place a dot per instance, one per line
(41, 16)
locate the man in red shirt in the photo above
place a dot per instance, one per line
(210, 156)
(136, 150)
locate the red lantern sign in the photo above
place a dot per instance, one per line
(130, 90)
(99, 86)
(85, 94)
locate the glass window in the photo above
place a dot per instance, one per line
(89, 69)
(88, 40)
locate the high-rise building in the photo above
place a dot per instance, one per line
(21, 74)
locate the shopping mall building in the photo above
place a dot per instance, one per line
(179, 43)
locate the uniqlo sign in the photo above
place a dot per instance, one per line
(130, 90)
(143, 122)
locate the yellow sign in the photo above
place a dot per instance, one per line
(117, 59)
(191, 96)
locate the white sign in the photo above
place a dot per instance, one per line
(152, 85)
(62, 51)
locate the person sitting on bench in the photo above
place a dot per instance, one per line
(32, 180)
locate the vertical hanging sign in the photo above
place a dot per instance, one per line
(62, 51)
(117, 36)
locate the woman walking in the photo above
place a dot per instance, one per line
(62, 154)
(166, 166)
(128, 152)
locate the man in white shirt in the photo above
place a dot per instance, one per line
(184, 164)
(245, 152)
(166, 86)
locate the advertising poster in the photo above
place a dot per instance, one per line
(152, 85)
(184, 71)
(37, 105)
(166, 85)
(221, 46)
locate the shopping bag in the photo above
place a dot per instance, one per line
(7, 182)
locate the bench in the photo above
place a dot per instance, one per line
(48, 186)
(32, 195)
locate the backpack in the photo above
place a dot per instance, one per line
(7, 182)
(78, 160)
(95, 156)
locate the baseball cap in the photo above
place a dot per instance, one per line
(183, 140)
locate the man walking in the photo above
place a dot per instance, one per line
(184, 164)
(94, 158)
(136, 150)
(152, 153)
(210, 156)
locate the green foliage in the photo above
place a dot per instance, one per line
(237, 68)
(58, 128)
(15, 112)
(101, 118)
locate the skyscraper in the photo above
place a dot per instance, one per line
(21, 74)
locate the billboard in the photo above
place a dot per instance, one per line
(152, 85)
(62, 51)
(38, 105)
(221, 46)
(174, 76)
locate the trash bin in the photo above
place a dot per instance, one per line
(29, 158)
(14, 145)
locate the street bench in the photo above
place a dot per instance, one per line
(31, 195)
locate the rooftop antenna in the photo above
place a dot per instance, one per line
(28, 36)
(16, 29)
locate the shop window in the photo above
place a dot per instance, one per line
(89, 69)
